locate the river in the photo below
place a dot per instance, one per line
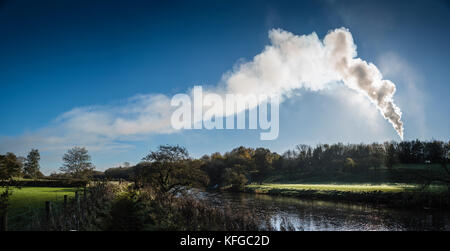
(313, 215)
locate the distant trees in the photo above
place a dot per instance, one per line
(322, 162)
(170, 166)
(417, 151)
(391, 154)
(77, 163)
(31, 166)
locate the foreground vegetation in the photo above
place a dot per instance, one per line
(112, 207)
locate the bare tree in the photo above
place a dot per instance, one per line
(169, 170)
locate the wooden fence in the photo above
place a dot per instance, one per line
(74, 213)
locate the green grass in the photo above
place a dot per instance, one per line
(391, 195)
(34, 197)
(332, 187)
(28, 201)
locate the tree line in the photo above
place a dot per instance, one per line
(76, 164)
(243, 165)
(324, 162)
(17, 166)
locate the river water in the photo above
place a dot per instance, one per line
(313, 215)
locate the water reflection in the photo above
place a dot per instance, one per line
(329, 216)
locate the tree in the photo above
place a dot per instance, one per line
(169, 171)
(10, 166)
(235, 176)
(214, 166)
(77, 163)
(391, 154)
(31, 166)
(263, 159)
(434, 151)
(404, 152)
(417, 151)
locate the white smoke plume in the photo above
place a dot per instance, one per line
(289, 63)
(292, 62)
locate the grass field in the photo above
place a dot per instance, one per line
(354, 188)
(34, 197)
(332, 187)
(391, 195)
(28, 201)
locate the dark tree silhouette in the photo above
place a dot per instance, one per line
(31, 166)
(169, 171)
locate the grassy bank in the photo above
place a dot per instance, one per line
(393, 195)
(264, 188)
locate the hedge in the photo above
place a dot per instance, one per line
(45, 183)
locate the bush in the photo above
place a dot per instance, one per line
(127, 214)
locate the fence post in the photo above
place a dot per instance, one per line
(4, 226)
(84, 194)
(48, 212)
(65, 201)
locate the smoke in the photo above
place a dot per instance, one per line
(289, 63)
(292, 62)
(363, 77)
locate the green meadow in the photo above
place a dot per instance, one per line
(340, 187)
(333, 187)
(34, 198)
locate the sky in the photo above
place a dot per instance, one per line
(66, 65)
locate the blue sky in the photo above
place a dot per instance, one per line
(56, 56)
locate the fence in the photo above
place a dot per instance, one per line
(74, 213)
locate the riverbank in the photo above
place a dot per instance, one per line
(395, 196)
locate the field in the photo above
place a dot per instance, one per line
(393, 195)
(33, 198)
(332, 187)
